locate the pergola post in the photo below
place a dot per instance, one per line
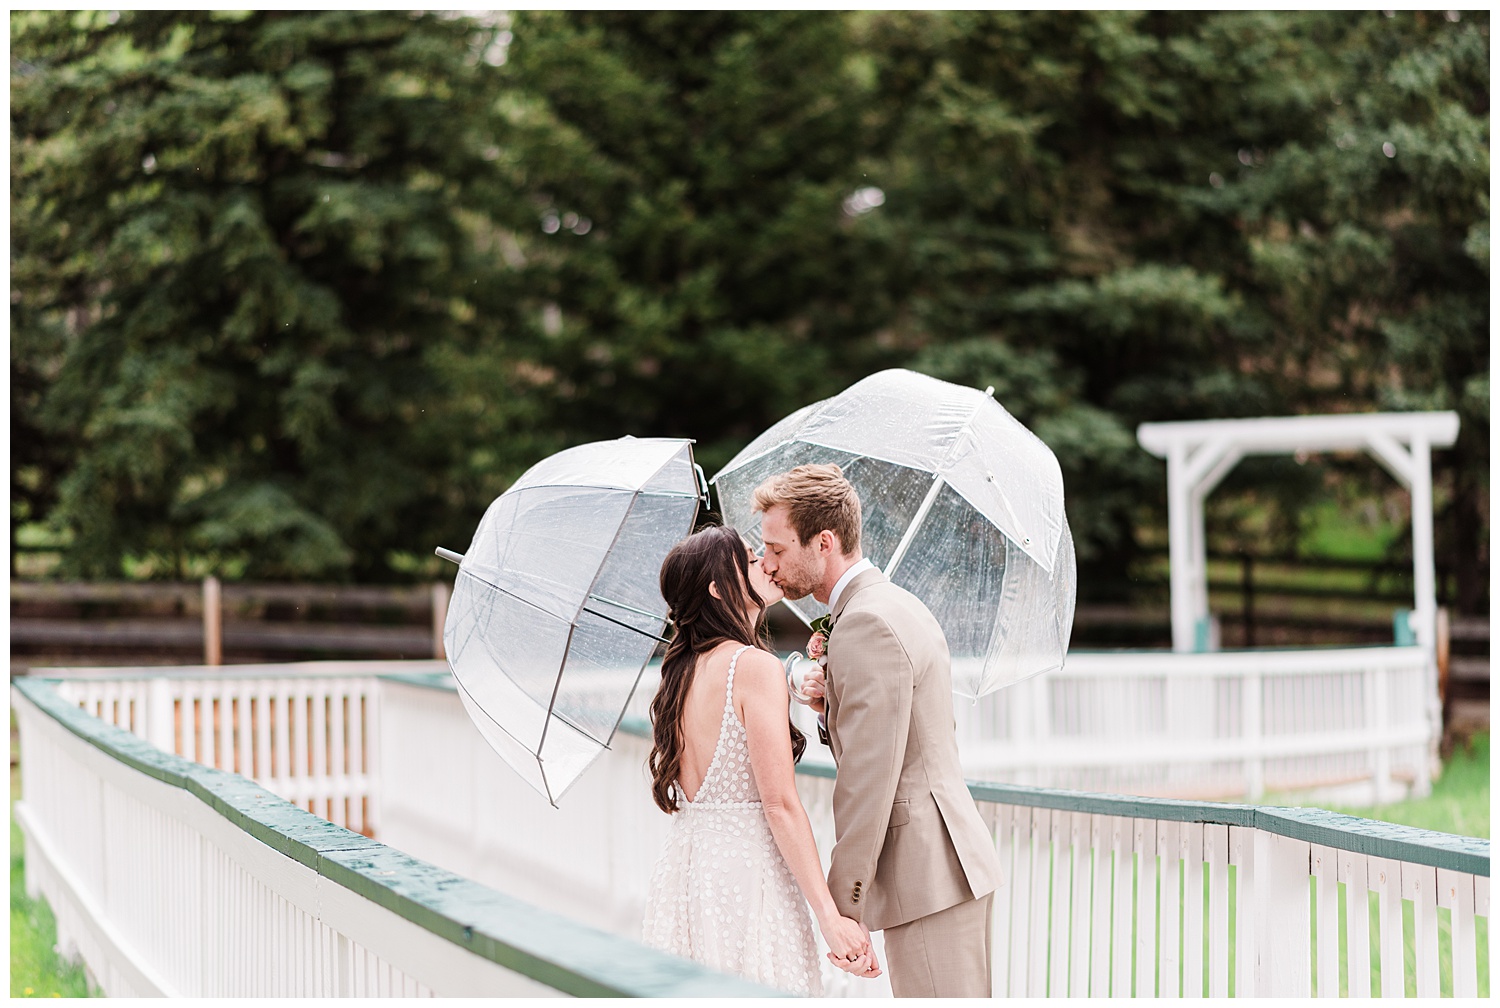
(1180, 548)
(1190, 479)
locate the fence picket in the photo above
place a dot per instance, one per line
(1020, 937)
(1004, 816)
(1385, 878)
(338, 758)
(281, 710)
(1061, 824)
(263, 733)
(301, 731)
(1216, 852)
(1078, 946)
(1099, 831)
(1194, 973)
(1354, 872)
(203, 723)
(1325, 871)
(1041, 877)
(1419, 884)
(1456, 893)
(318, 748)
(1120, 945)
(1168, 846)
(1247, 874)
(221, 727)
(244, 763)
(1145, 909)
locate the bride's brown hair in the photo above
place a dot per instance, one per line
(700, 623)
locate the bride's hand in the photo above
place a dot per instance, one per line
(864, 966)
(847, 939)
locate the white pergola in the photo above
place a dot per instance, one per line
(1200, 453)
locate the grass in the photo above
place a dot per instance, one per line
(36, 970)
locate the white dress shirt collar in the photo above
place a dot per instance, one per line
(849, 575)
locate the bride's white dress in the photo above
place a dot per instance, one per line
(722, 894)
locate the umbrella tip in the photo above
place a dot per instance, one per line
(990, 391)
(448, 554)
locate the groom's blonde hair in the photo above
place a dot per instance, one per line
(817, 497)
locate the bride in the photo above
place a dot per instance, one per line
(726, 889)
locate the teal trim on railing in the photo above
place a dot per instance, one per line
(426, 680)
(1319, 826)
(1401, 627)
(557, 952)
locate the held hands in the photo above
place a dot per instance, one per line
(849, 947)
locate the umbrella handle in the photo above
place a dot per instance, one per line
(702, 487)
(448, 554)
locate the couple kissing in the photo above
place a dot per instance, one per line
(740, 869)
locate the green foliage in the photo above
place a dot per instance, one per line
(681, 178)
(1191, 215)
(243, 248)
(297, 294)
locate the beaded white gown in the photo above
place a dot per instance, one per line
(721, 893)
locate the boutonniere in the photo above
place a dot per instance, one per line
(817, 644)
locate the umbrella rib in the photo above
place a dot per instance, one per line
(615, 541)
(627, 626)
(573, 628)
(617, 489)
(958, 435)
(475, 706)
(622, 605)
(556, 685)
(911, 528)
(518, 598)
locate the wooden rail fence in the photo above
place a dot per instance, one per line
(213, 622)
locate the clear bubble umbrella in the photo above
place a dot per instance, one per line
(963, 507)
(557, 607)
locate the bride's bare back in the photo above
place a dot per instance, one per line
(703, 716)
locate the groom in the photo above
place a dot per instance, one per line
(911, 855)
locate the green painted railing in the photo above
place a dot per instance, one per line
(545, 947)
(1319, 826)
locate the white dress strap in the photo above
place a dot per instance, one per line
(729, 682)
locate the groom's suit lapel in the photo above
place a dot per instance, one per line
(853, 588)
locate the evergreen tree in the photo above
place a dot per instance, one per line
(1127, 217)
(243, 245)
(682, 180)
(297, 294)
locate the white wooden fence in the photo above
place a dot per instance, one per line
(306, 731)
(1103, 895)
(169, 878)
(1350, 726)
(1361, 723)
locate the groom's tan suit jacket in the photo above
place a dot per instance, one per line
(909, 839)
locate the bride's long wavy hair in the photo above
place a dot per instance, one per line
(700, 624)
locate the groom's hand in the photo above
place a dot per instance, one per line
(815, 687)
